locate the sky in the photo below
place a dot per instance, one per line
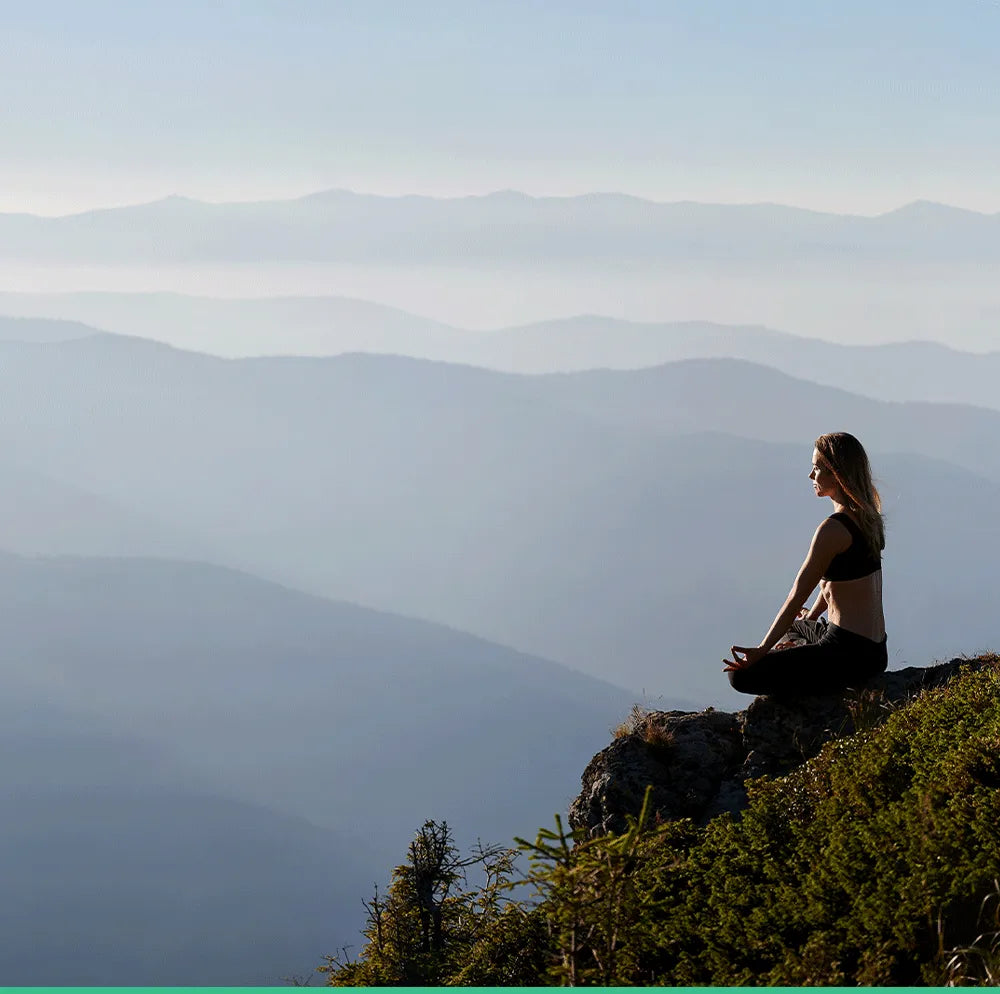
(852, 107)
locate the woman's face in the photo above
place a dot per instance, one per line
(824, 482)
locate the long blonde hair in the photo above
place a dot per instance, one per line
(848, 461)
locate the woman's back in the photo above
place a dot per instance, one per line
(855, 604)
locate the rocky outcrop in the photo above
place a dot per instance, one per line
(698, 762)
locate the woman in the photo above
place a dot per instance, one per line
(845, 559)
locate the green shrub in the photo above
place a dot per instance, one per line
(841, 871)
(867, 865)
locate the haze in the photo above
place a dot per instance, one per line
(390, 399)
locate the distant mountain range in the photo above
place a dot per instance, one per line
(341, 226)
(42, 329)
(327, 326)
(900, 371)
(206, 773)
(266, 326)
(731, 395)
(238, 596)
(185, 744)
(587, 518)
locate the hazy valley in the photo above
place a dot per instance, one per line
(284, 577)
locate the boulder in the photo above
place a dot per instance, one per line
(698, 762)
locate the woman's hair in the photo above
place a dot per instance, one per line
(848, 461)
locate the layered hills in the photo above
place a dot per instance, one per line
(925, 271)
(586, 518)
(179, 736)
(211, 617)
(917, 371)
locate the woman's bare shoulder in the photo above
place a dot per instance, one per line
(833, 533)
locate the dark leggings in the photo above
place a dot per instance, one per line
(838, 660)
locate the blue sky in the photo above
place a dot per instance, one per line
(837, 106)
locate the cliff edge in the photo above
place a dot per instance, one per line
(698, 762)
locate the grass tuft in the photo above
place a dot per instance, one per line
(645, 724)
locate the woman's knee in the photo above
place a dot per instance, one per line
(741, 680)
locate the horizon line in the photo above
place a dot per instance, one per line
(503, 192)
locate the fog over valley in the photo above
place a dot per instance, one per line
(923, 271)
(323, 568)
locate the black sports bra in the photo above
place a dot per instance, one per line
(857, 560)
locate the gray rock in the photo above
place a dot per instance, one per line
(698, 762)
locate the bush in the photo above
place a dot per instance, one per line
(860, 867)
(842, 871)
(867, 865)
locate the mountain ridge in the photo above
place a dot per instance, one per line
(345, 229)
(385, 481)
(317, 325)
(918, 206)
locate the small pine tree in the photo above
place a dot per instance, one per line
(600, 918)
(431, 928)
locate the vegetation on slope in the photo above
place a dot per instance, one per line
(867, 865)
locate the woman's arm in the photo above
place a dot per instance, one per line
(816, 611)
(830, 539)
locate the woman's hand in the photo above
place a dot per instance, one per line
(750, 656)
